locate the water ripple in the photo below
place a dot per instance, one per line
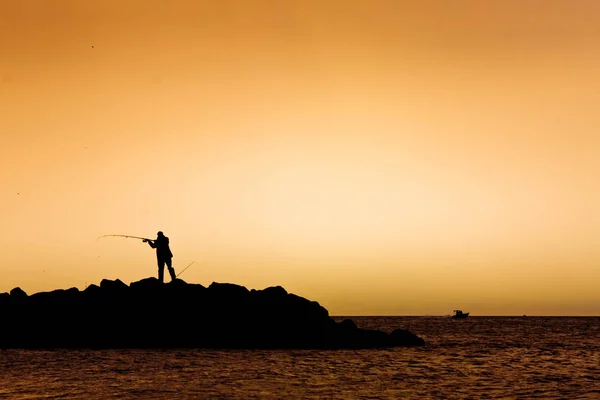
(478, 358)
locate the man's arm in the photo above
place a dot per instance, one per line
(151, 243)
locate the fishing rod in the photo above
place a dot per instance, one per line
(125, 236)
(184, 269)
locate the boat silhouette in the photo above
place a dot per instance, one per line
(458, 314)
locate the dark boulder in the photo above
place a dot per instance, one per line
(146, 285)
(273, 292)
(91, 292)
(228, 291)
(92, 289)
(58, 297)
(402, 337)
(348, 325)
(116, 286)
(18, 294)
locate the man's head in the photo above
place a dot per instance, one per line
(160, 234)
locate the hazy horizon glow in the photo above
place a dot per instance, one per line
(380, 157)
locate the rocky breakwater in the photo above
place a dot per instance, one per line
(151, 314)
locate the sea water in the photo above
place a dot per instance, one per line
(475, 358)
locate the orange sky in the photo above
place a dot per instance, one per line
(380, 157)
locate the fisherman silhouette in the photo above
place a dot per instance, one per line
(163, 255)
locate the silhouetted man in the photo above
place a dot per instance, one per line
(163, 255)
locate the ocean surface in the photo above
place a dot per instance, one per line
(476, 358)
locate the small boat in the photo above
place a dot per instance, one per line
(458, 314)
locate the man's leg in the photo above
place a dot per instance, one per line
(169, 262)
(161, 270)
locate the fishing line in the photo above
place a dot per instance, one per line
(184, 269)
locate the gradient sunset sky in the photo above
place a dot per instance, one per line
(379, 157)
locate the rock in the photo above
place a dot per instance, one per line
(18, 293)
(228, 290)
(147, 285)
(56, 297)
(114, 286)
(150, 314)
(348, 324)
(401, 337)
(92, 290)
(274, 291)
